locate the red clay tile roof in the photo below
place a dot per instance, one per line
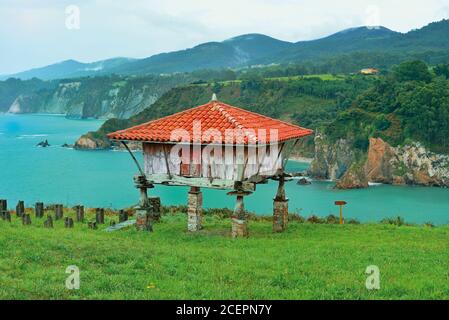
(213, 115)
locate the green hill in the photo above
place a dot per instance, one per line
(308, 261)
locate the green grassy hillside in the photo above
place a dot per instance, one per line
(309, 261)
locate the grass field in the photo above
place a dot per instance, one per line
(309, 261)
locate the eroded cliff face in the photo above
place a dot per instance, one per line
(331, 161)
(74, 101)
(410, 164)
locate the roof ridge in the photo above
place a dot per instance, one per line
(219, 105)
(264, 116)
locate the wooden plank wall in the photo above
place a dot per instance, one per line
(214, 163)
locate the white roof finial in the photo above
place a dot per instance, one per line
(214, 97)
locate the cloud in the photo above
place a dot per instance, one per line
(36, 33)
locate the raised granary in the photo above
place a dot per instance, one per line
(213, 146)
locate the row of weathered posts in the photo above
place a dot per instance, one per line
(58, 214)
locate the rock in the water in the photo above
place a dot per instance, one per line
(87, 142)
(43, 144)
(66, 145)
(354, 178)
(409, 164)
(332, 159)
(303, 182)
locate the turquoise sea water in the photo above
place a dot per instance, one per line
(104, 178)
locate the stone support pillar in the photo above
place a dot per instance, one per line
(144, 211)
(280, 208)
(239, 219)
(195, 209)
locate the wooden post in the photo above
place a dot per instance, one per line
(341, 204)
(3, 205)
(49, 222)
(99, 216)
(8, 216)
(68, 222)
(20, 208)
(122, 216)
(280, 207)
(59, 211)
(92, 225)
(39, 210)
(155, 203)
(194, 211)
(80, 213)
(26, 219)
(239, 220)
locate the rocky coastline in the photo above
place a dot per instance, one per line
(411, 164)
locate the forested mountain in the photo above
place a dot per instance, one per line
(351, 48)
(70, 69)
(232, 53)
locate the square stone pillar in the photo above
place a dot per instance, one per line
(280, 207)
(144, 219)
(144, 211)
(280, 215)
(195, 209)
(239, 228)
(239, 219)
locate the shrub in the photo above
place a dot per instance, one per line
(314, 219)
(398, 221)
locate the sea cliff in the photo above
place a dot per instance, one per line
(382, 163)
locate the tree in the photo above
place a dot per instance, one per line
(412, 71)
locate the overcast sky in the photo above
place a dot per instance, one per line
(35, 33)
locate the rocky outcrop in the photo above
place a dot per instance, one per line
(87, 142)
(409, 164)
(354, 178)
(331, 161)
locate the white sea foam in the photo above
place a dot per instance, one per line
(32, 135)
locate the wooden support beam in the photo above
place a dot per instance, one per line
(199, 182)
